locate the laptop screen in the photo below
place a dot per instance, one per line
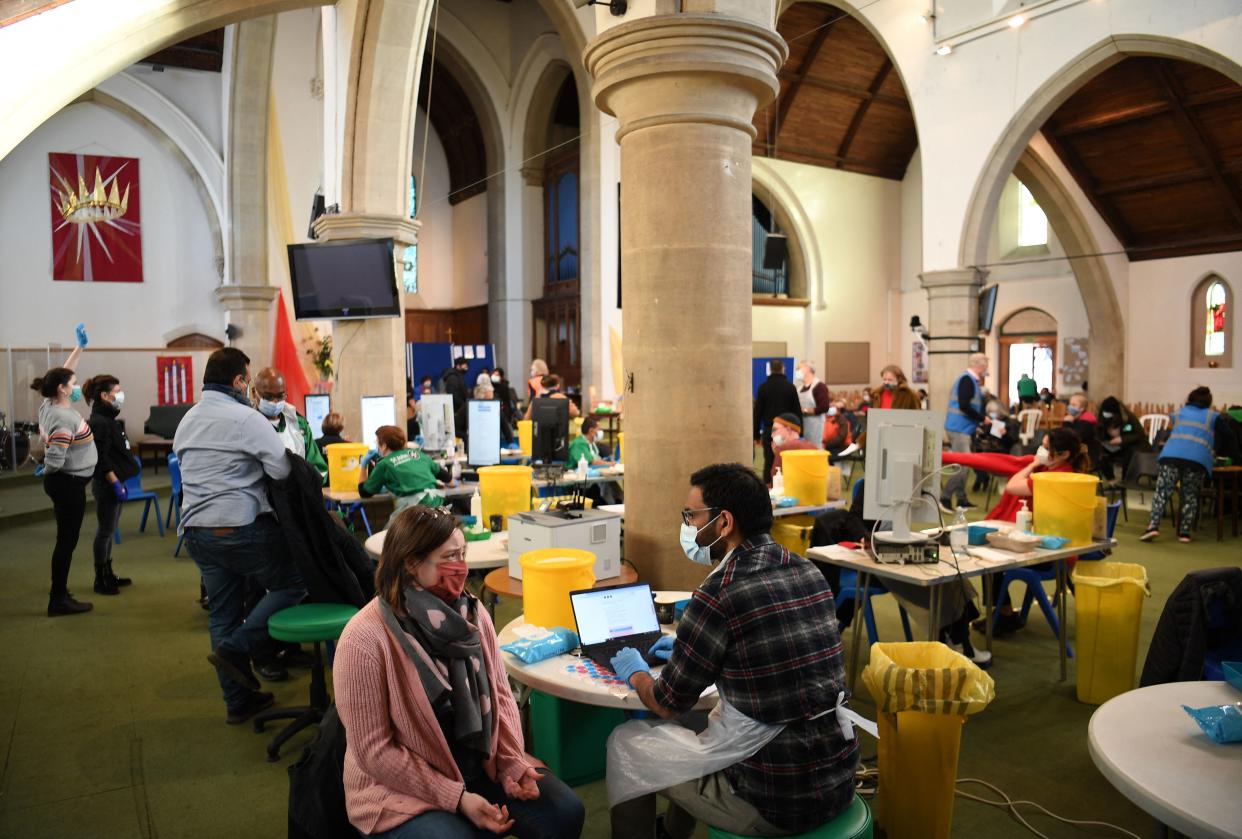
(614, 612)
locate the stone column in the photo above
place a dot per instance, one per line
(370, 353)
(953, 323)
(249, 309)
(684, 89)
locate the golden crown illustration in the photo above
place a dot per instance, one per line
(96, 205)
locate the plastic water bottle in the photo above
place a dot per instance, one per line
(958, 537)
(1022, 521)
(778, 483)
(582, 468)
(456, 470)
(476, 508)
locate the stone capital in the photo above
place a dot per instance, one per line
(955, 282)
(403, 231)
(532, 174)
(242, 297)
(685, 68)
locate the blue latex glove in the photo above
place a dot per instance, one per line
(39, 470)
(662, 648)
(81, 333)
(119, 490)
(371, 457)
(628, 662)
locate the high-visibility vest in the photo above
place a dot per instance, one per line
(1193, 437)
(957, 421)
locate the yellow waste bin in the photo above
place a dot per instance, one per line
(548, 576)
(1065, 505)
(1108, 608)
(923, 693)
(504, 490)
(806, 475)
(621, 447)
(526, 437)
(344, 465)
(794, 532)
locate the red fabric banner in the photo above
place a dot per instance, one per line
(174, 379)
(287, 359)
(96, 218)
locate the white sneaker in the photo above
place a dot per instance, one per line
(983, 658)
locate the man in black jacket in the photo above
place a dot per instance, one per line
(454, 382)
(776, 396)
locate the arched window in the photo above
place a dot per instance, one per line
(765, 233)
(1211, 324)
(1032, 223)
(409, 273)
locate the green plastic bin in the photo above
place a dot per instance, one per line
(571, 738)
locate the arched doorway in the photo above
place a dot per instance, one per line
(1027, 346)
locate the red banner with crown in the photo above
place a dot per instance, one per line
(96, 223)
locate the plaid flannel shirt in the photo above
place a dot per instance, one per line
(763, 628)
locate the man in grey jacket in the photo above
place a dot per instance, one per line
(227, 450)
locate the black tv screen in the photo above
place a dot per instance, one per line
(987, 307)
(349, 279)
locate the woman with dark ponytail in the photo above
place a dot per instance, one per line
(68, 465)
(116, 465)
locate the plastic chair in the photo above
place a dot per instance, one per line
(1153, 424)
(137, 493)
(1029, 421)
(854, 823)
(848, 586)
(174, 500)
(314, 622)
(1142, 465)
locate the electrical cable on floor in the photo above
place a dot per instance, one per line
(1011, 806)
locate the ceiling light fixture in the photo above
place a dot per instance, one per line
(1016, 21)
(944, 49)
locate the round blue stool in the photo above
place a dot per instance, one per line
(854, 823)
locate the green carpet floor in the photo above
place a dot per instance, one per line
(111, 724)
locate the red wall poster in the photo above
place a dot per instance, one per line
(174, 379)
(96, 218)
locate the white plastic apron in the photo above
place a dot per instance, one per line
(646, 757)
(812, 424)
(291, 434)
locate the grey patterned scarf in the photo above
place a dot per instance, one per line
(444, 646)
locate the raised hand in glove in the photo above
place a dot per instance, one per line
(662, 648)
(81, 333)
(119, 490)
(628, 662)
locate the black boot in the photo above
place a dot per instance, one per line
(66, 605)
(103, 581)
(119, 582)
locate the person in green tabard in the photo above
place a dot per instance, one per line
(409, 474)
(586, 445)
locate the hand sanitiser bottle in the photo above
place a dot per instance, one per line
(476, 508)
(1022, 521)
(958, 537)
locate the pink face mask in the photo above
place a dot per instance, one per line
(451, 581)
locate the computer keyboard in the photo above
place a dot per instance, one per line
(602, 653)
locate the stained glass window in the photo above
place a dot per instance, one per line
(409, 274)
(1214, 331)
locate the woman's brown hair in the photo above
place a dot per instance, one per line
(412, 534)
(97, 386)
(51, 380)
(896, 371)
(391, 436)
(1063, 440)
(333, 423)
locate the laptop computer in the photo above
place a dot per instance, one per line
(613, 617)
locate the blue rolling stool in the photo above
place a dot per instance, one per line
(854, 823)
(316, 623)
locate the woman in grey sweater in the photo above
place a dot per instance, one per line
(68, 465)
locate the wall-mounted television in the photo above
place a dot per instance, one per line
(344, 280)
(987, 307)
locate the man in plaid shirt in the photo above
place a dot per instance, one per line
(762, 627)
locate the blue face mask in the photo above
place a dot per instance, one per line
(690, 546)
(75, 395)
(271, 409)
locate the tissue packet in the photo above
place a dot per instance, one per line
(545, 644)
(1223, 723)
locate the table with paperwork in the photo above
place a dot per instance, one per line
(561, 677)
(978, 562)
(1156, 756)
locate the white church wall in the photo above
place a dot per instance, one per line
(435, 238)
(469, 219)
(199, 94)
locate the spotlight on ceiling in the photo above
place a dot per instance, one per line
(1016, 21)
(944, 49)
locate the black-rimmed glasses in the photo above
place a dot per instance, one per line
(686, 512)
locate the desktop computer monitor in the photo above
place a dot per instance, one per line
(435, 422)
(903, 462)
(377, 411)
(549, 430)
(317, 407)
(483, 441)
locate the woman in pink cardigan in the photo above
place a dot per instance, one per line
(434, 742)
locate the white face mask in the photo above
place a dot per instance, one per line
(832, 412)
(118, 399)
(1042, 456)
(599, 434)
(702, 554)
(799, 376)
(270, 409)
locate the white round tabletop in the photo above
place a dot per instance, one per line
(1157, 756)
(569, 677)
(480, 556)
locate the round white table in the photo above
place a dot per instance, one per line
(1157, 756)
(480, 556)
(560, 677)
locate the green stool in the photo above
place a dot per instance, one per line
(314, 622)
(854, 823)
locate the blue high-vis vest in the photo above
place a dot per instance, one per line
(955, 420)
(1193, 437)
